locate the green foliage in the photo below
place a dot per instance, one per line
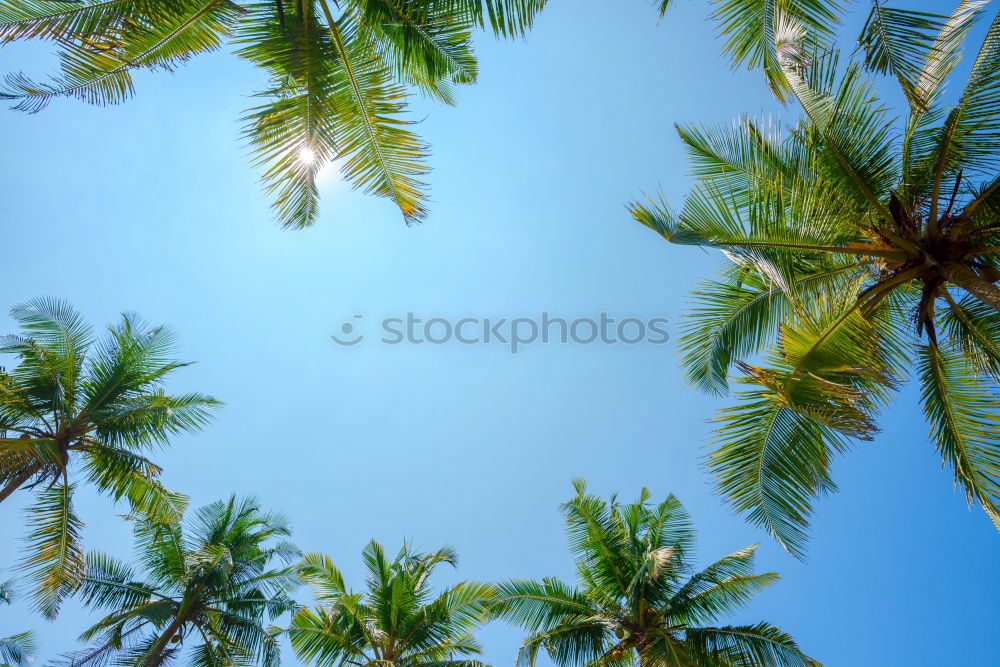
(398, 620)
(759, 34)
(15, 650)
(640, 602)
(338, 78)
(210, 585)
(76, 405)
(859, 247)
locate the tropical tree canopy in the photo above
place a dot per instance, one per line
(15, 650)
(858, 248)
(399, 621)
(81, 409)
(639, 601)
(339, 75)
(210, 586)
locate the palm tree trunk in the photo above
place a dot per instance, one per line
(155, 656)
(967, 279)
(15, 482)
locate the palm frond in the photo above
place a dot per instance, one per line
(899, 42)
(858, 153)
(761, 644)
(753, 33)
(381, 155)
(506, 18)
(125, 475)
(574, 641)
(964, 419)
(970, 136)
(975, 329)
(429, 47)
(736, 318)
(18, 649)
(540, 605)
(112, 583)
(719, 589)
(770, 461)
(55, 563)
(102, 75)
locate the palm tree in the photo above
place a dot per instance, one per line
(855, 249)
(339, 72)
(74, 409)
(15, 650)
(398, 622)
(639, 601)
(212, 585)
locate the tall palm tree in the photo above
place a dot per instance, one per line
(856, 248)
(15, 650)
(80, 409)
(639, 601)
(398, 622)
(339, 71)
(210, 586)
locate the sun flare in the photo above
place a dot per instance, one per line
(306, 155)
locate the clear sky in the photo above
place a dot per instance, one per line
(149, 207)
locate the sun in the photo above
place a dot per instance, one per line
(306, 155)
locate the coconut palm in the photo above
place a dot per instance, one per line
(15, 650)
(400, 621)
(339, 72)
(856, 248)
(639, 602)
(78, 409)
(210, 586)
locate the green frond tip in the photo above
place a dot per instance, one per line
(655, 214)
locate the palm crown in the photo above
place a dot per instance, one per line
(212, 585)
(338, 75)
(639, 601)
(855, 247)
(398, 622)
(74, 407)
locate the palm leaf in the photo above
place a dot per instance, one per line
(759, 644)
(719, 589)
(770, 461)
(125, 475)
(970, 136)
(734, 319)
(381, 155)
(964, 421)
(56, 564)
(112, 583)
(507, 18)
(898, 42)
(752, 30)
(103, 75)
(18, 649)
(429, 47)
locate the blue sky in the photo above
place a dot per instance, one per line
(149, 207)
